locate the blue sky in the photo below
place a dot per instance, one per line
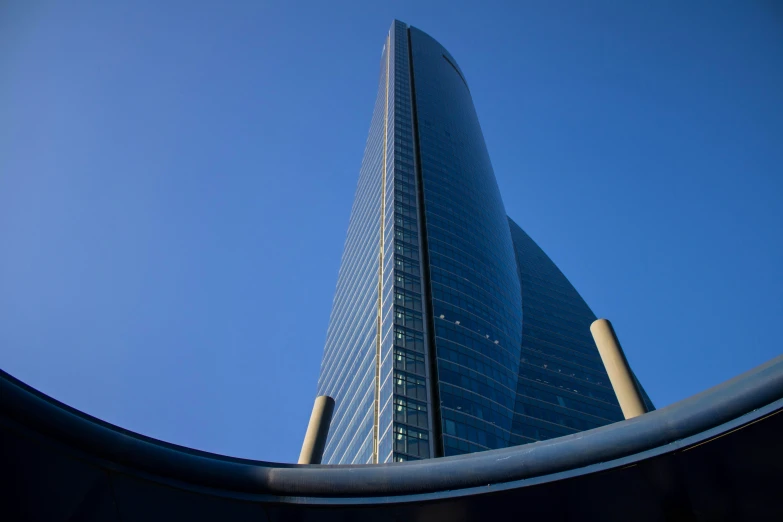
(176, 180)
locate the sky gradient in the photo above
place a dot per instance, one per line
(176, 180)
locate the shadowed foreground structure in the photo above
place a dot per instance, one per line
(714, 456)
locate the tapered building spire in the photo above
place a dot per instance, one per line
(425, 354)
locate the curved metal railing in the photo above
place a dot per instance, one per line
(726, 402)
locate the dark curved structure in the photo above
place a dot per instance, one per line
(715, 456)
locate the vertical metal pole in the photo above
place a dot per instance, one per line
(618, 369)
(317, 430)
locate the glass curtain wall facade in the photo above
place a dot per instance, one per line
(563, 386)
(376, 363)
(429, 351)
(348, 368)
(476, 299)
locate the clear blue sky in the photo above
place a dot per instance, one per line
(176, 180)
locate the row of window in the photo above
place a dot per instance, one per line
(440, 200)
(403, 164)
(464, 382)
(470, 290)
(447, 311)
(404, 175)
(408, 318)
(404, 198)
(475, 342)
(474, 274)
(468, 415)
(404, 186)
(407, 156)
(526, 429)
(572, 419)
(457, 398)
(476, 436)
(405, 210)
(470, 359)
(505, 383)
(471, 264)
(535, 305)
(411, 441)
(551, 285)
(608, 412)
(471, 313)
(465, 222)
(408, 361)
(480, 384)
(453, 446)
(584, 342)
(557, 375)
(408, 339)
(407, 299)
(403, 126)
(450, 195)
(469, 282)
(560, 346)
(479, 237)
(435, 233)
(549, 281)
(405, 264)
(444, 172)
(410, 412)
(411, 386)
(400, 234)
(406, 250)
(405, 281)
(398, 457)
(410, 392)
(408, 223)
(404, 148)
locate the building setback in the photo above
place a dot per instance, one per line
(451, 331)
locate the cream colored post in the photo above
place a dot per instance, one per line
(317, 430)
(618, 369)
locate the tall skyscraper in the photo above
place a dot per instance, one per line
(451, 331)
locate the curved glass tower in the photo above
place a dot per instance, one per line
(448, 323)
